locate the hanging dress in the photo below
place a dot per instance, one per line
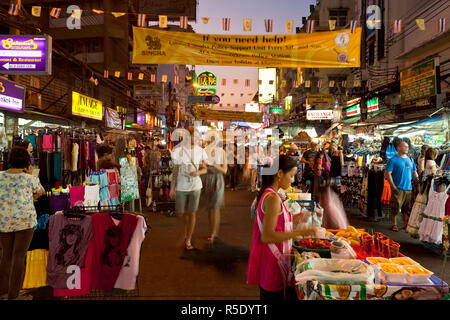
(416, 217)
(431, 227)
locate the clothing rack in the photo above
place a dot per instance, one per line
(116, 210)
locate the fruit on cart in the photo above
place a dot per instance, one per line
(404, 261)
(377, 260)
(391, 268)
(416, 270)
(352, 235)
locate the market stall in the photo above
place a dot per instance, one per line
(340, 267)
(351, 264)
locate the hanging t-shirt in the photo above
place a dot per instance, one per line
(69, 240)
(91, 195)
(32, 139)
(130, 268)
(77, 196)
(47, 143)
(111, 239)
(85, 273)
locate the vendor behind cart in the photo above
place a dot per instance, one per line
(269, 263)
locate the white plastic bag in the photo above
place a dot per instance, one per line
(334, 271)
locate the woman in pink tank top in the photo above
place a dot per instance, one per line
(269, 263)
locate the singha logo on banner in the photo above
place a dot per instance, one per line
(153, 43)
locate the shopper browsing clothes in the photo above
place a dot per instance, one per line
(186, 186)
(18, 189)
(105, 161)
(400, 171)
(214, 188)
(269, 264)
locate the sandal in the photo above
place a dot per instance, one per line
(211, 239)
(394, 228)
(188, 247)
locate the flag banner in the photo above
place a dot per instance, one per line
(14, 9)
(442, 25)
(368, 83)
(343, 83)
(247, 25)
(289, 26)
(184, 22)
(247, 83)
(224, 82)
(106, 74)
(269, 25)
(295, 84)
(36, 11)
(420, 24)
(330, 49)
(357, 83)
(319, 84)
(353, 26)
(163, 21)
(307, 84)
(331, 83)
(117, 74)
(332, 24)
(164, 78)
(205, 20)
(153, 78)
(118, 14)
(130, 76)
(226, 24)
(397, 28)
(141, 76)
(310, 26)
(141, 20)
(98, 11)
(55, 12)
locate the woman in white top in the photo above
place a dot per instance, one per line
(430, 163)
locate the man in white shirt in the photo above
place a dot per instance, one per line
(186, 186)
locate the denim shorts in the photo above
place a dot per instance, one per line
(187, 202)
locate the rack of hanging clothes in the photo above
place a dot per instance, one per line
(372, 189)
(430, 224)
(80, 157)
(103, 251)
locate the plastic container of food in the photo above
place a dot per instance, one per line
(377, 260)
(394, 273)
(417, 274)
(324, 253)
(404, 261)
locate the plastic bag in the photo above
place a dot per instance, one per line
(334, 271)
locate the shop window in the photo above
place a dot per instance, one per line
(340, 15)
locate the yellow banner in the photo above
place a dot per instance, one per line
(87, 107)
(207, 114)
(319, 98)
(332, 49)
